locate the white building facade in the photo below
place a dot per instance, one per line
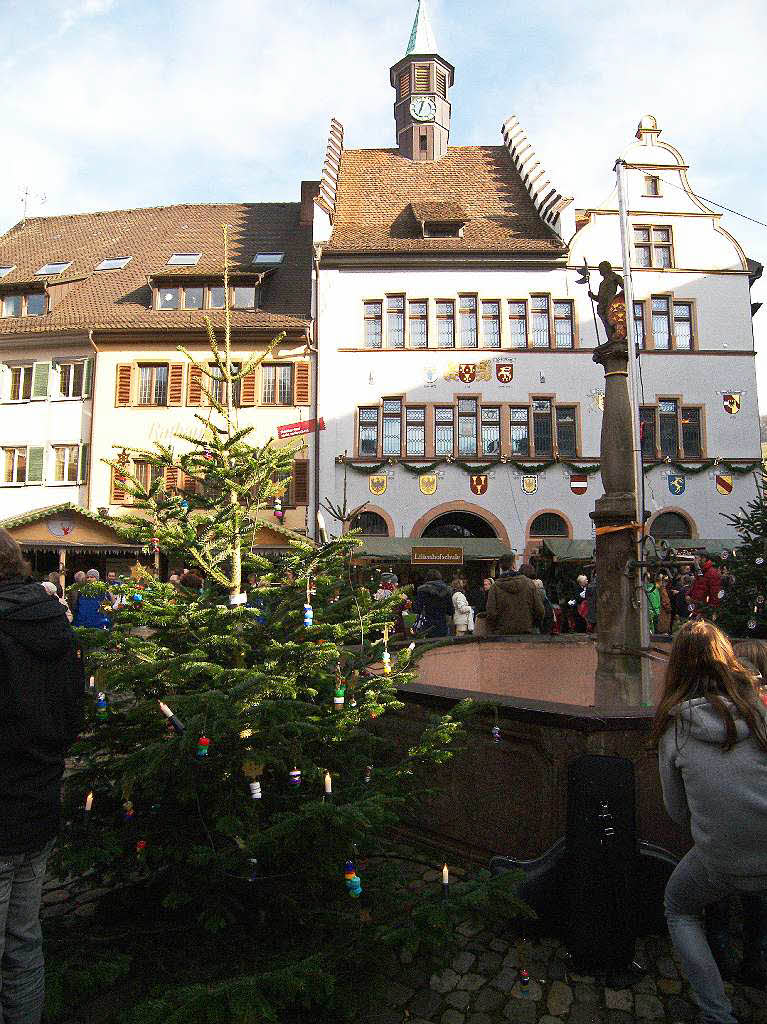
(455, 345)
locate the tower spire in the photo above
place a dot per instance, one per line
(422, 38)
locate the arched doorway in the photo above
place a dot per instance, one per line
(549, 524)
(459, 525)
(670, 526)
(371, 524)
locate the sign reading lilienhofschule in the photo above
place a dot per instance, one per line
(436, 556)
(302, 427)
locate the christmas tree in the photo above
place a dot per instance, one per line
(743, 611)
(239, 766)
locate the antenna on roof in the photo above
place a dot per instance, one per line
(25, 197)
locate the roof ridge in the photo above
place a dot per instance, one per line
(145, 209)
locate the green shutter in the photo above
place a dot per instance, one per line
(83, 463)
(87, 378)
(35, 464)
(40, 374)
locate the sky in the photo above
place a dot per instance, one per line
(109, 104)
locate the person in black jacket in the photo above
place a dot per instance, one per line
(42, 686)
(433, 605)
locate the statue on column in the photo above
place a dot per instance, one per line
(611, 304)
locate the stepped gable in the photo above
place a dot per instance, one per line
(83, 298)
(379, 188)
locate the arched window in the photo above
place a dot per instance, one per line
(548, 524)
(458, 524)
(371, 524)
(670, 526)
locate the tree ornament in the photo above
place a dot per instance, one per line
(339, 697)
(138, 598)
(202, 747)
(445, 882)
(328, 785)
(308, 616)
(524, 983)
(278, 513)
(752, 625)
(140, 847)
(102, 707)
(368, 774)
(255, 790)
(353, 883)
(294, 777)
(155, 542)
(185, 505)
(207, 454)
(759, 561)
(128, 811)
(495, 732)
(386, 657)
(174, 723)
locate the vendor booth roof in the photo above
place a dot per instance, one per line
(399, 549)
(583, 550)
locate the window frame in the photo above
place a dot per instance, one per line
(518, 423)
(700, 409)
(516, 318)
(400, 314)
(415, 409)
(648, 192)
(71, 364)
(392, 416)
(417, 318)
(546, 297)
(466, 416)
(569, 319)
(489, 318)
(575, 453)
(677, 426)
(533, 413)
(483, 422)
(24, 369)
(640, 321)
(52, 480)
(45, 272)
(372, 318)
(651, 245)
(468, 307)
(153, 366)
(361, 423)
(437, 424)
(448, 319)
(276, 386)
(15, 448)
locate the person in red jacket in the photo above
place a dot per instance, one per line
(705, 588)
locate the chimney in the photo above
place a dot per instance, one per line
(309, 192)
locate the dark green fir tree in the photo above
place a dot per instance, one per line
(244, 755)
(743, 611)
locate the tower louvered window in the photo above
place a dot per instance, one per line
(422, 78)
(441, 83)
(404, 83)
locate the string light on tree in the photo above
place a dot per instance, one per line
(328, 786)
(128, 811)
(445, 882)
(173, 721)
(255, 790)
(495, 732)
(294, 777)
(102, 707)
(88, 807)
(352, 880)
(386, 657)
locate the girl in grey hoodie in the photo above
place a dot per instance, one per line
(711, 732)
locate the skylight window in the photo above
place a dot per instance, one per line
(53, 268)
(6, 270)
(268, 257)
(116, 263)
(184, 259)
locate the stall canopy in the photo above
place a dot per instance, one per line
(400, 549)
(562, 550)
(67, 527)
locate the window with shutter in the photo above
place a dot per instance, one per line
(40, 375)
(84, 453)
(88, 378)
(119, 495)
(194, 386)
(248, 389)
(35, 464)
(441, 83)
(171, 478)
(123, 388)
(176, 384)
(302, 389)
(301, 482)
(422, 78)
(404, 83)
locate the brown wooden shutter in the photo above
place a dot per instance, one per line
(404, 83)
(422, 78)
(119, 497)
(176, 384)
(124, 384)
(248, 389)
(301, 389)
(194, 386)
(301, 482)
(171, 477)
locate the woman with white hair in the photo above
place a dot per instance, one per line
(50, 588)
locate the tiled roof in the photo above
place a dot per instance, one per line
(444, 213)
(121, 299)
(377, 187)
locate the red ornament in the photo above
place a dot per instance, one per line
(140, 846)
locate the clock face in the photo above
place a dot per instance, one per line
(423, 108)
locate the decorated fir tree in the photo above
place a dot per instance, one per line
(743, 611)
(239, 759)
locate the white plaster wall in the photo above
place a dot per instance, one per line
(45, 422)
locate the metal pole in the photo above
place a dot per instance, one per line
(628, 290)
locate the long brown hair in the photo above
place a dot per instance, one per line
(755, 653)
(703, 664)
(12, 562)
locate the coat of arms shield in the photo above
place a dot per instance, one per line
(467, 372)
(731, 402)
(377, 483)
(676, 483)
(504, 373)
(478, 483)
(427, 483)
(579, 483)
(724, 483)
(530, 483)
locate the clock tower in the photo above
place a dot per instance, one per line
(421, 80)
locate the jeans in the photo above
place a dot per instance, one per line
(690, 890)
(22, 986)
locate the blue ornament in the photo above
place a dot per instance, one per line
(185, 505)
(308, 615)
(138, 598)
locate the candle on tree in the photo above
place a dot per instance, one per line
(328, 786)
(445, 881)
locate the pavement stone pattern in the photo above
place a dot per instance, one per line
(480, 985)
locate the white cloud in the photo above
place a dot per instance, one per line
(73, 13)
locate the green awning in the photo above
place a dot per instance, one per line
(398, 549)
(563, 550)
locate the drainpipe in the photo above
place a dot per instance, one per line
(314, 531)
(93, 406)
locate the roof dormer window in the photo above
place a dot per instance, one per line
(184, 259)
(54, 268)
(116, 263)
(442, 229)
(268, 259)
(6, 270)
(440, 219)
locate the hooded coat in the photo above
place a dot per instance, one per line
(42, 685)
(705, 588)
(514, 605)
(720, 794)
(433, 606)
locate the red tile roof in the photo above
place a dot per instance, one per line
(377, 187)
(121, 299)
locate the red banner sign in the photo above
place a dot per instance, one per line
(302, 427)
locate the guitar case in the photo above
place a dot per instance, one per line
(597, 888)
